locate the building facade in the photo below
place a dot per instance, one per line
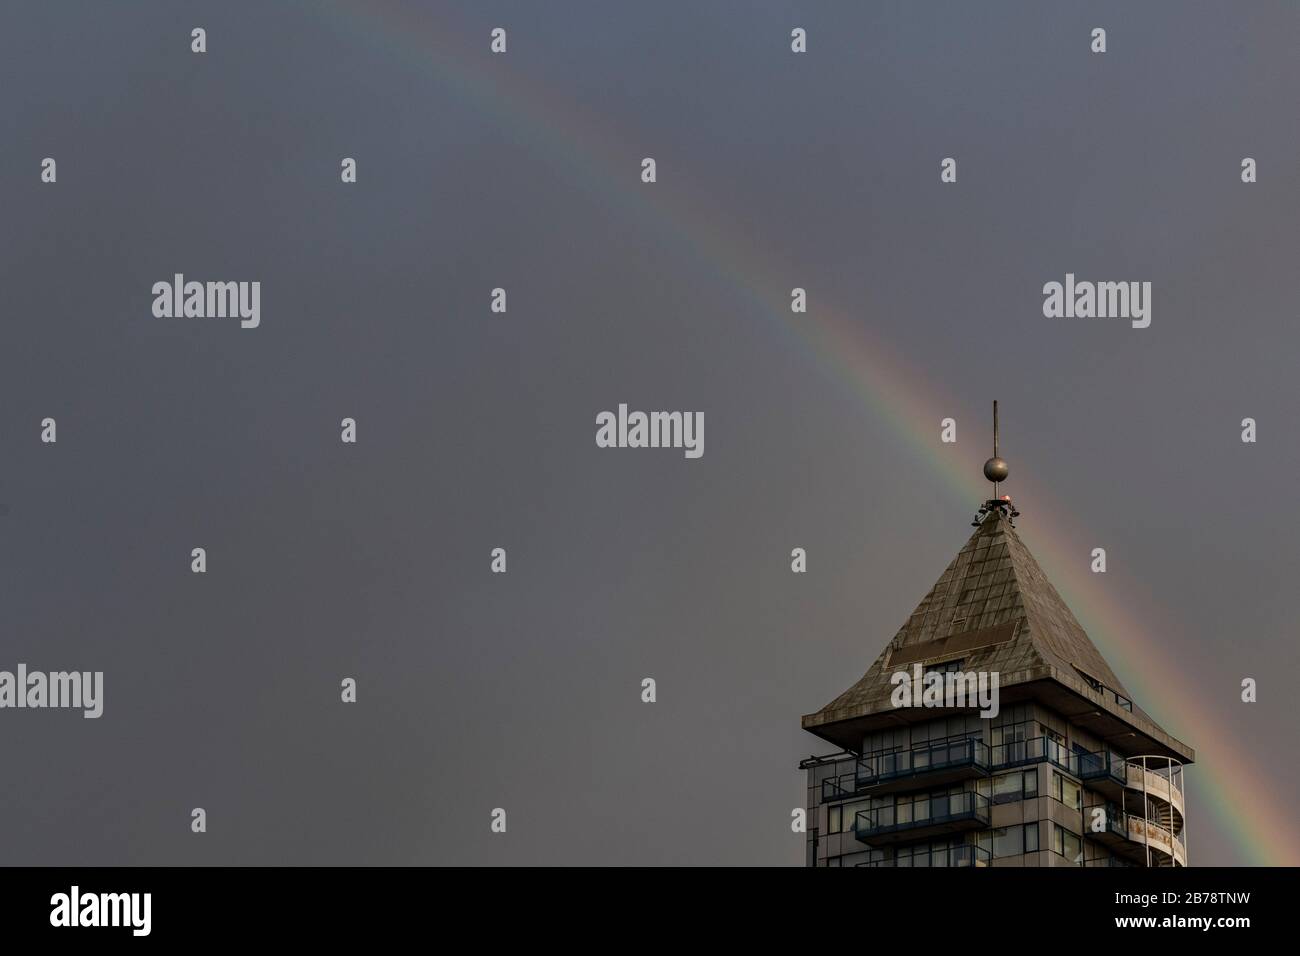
(1068, 772)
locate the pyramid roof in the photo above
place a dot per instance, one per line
(994, 609)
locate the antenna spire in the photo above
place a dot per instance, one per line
(995, 442)
(995, 428)
(996, 471)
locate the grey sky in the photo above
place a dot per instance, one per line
(477, 430)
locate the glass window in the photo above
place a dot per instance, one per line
(1067, 844)
(1073, 847)
(1031, 837)
(1008, 841)
(1020, 785)
(842, 815)
(1008, 742)
(1008, 734)
(1067, 791)
(1007, 787)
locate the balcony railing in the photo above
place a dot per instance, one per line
(953, 755)
(922, 812)
(1115, 820)
(1034, 750)
(1104, 770)
(838, 788)
(1130, 833)
(965, 855)
(1158, 772)
(1103, 766)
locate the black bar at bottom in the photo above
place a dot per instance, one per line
(335, 905)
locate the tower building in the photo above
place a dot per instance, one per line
(1069, 771)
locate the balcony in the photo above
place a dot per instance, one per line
(1165, 848)
(922, 817)
(1020, 753)
(1114, 833)
(965, 855)
(1103, 771)
(838, 788)
(1157, 777)
(932, 765)
(1136, 839)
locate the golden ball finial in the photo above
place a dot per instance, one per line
(996, 470)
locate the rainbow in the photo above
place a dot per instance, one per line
(1228, 781)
